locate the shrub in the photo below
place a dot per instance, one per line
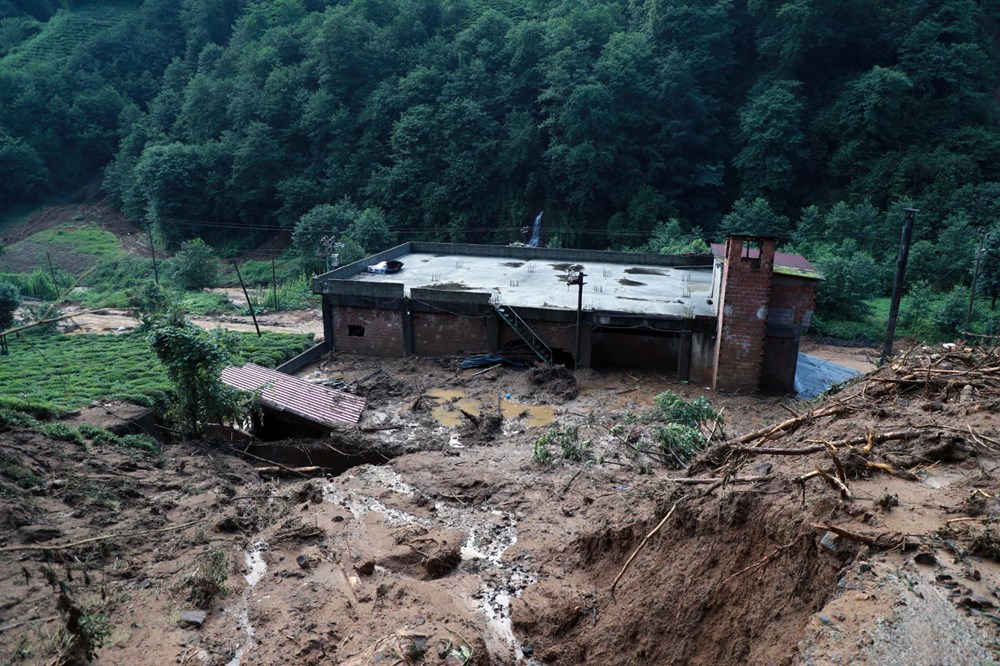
(36, 284)
(195, 266)
(850, 278)
(566, 439)
(10, 299)
(194, 359)
(209, 579)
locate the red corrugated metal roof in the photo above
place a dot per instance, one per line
(296, 396)
(790, 264)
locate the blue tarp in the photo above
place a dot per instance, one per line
(813, 376)
(484, 361)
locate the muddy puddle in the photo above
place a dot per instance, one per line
(453, 407)
(450, 403)
(532, 416)
(490, 532)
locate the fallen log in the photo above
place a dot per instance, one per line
(287, 470)
(790, 424)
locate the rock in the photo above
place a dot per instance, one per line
(965, 397)
(973, 601)
(366, 568)
(830, 543)
(925, 557)
(193, 618)
(761, 469)
(307, 560)
(527, 650)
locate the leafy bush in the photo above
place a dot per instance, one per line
(670, 238)
(566, 439)
(36, 284)
(195, 266)
(950, 315)
(293, 294)
(194, 359)
(679, 442)
(10, 299)
(209, 579)
(674, 427)
(679, 424)
(851, 277)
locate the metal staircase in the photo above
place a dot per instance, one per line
(524, 331)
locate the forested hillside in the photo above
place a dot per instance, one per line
(628, 121)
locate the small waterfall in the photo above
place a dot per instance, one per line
(537, 231)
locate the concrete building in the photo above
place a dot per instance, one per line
(730, 319)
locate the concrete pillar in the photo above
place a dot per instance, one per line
(327, 322)
(406, 321)
(493, 333)
(684, 357)
(586, 344)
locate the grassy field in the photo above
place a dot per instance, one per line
(63, 372)
(81, 239)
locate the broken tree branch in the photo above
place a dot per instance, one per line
(642, 545)
(103, 537)
(847, 534)
(698, 481)
(762, 563)
(790, 424)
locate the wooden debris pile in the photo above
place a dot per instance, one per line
(912, 412)
(943, 374)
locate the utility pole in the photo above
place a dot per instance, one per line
(55, 283)
(274, 284)
(975, 277)
(897, 285)
(152, 251)
(249, 304)
(577, 279)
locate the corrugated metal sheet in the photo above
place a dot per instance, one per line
(788, 264)
(296, 396)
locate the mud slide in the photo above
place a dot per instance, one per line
(860, 530)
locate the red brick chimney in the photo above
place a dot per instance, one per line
(742, 319)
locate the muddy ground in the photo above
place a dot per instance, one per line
(462, 548)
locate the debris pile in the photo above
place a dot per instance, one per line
(927, 406)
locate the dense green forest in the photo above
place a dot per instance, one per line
(650, 124)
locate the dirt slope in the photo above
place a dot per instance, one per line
(465, 550)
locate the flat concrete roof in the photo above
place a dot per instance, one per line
(684, 292)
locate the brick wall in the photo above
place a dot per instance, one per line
(441, 334)
(790, 309)
(743, 311)
(383, 331)
(793, 301)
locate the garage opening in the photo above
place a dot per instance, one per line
(653, 350)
